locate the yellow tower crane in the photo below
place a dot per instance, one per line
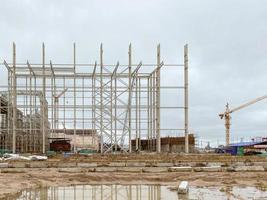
(227, 115)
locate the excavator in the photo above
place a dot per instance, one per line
(227, 115)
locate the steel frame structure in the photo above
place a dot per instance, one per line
(120, 102)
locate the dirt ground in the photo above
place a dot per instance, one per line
(163, 157)
(12, 183)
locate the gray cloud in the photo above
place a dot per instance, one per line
(228, 45)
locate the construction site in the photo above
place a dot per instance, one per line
(97, 123)
(133, 100)
(102, 107)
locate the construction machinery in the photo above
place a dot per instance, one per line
(227, 115)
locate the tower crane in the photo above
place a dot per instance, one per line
(56, 98)
(227, 115)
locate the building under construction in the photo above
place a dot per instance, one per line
(168, 144)
(117, 102)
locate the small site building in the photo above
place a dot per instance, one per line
(168, 144)
(248, 148)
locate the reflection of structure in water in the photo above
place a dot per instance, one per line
(139, 192)
(95, 192)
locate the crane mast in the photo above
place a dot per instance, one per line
(227, 116)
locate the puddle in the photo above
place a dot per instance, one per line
(140, 192)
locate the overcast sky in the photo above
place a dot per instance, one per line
(227, 47)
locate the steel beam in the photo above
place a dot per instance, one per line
(186, 97)
(14, 100)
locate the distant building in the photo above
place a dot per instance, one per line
(248, 148)
(168, 144)
(85, 138)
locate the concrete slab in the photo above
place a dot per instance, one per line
(208, 169)
(212, 169)
(197, 169)
(18, 164)
(117, 164)
(71, 170)
(155, 169)
(237, 164)
(200, 164)
(215, 164)
(135, 164)
(105, 169)
(130, 169)
(86, 165)
(182, 164)
(163, 164)
(180, 169)
(37, 164)
(52, 164)
(67, 164)
(249, 168)
(3, 165)
(102, 164)
(260, 164)
(13, 170)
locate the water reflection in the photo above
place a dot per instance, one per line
(99, 192)
(140, 192)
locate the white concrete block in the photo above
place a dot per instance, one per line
(3, 165)
(135, 164)
(164, 164)
(249, 168)
(212, 169)
(183, 187)
(117, 164)
(214, 164)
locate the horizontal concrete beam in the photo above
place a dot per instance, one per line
(180, 169)
(249, 168)
(155, 169)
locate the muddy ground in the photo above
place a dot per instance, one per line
(163, 157)
(12, 183)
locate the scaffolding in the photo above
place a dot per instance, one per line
(119, 102)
